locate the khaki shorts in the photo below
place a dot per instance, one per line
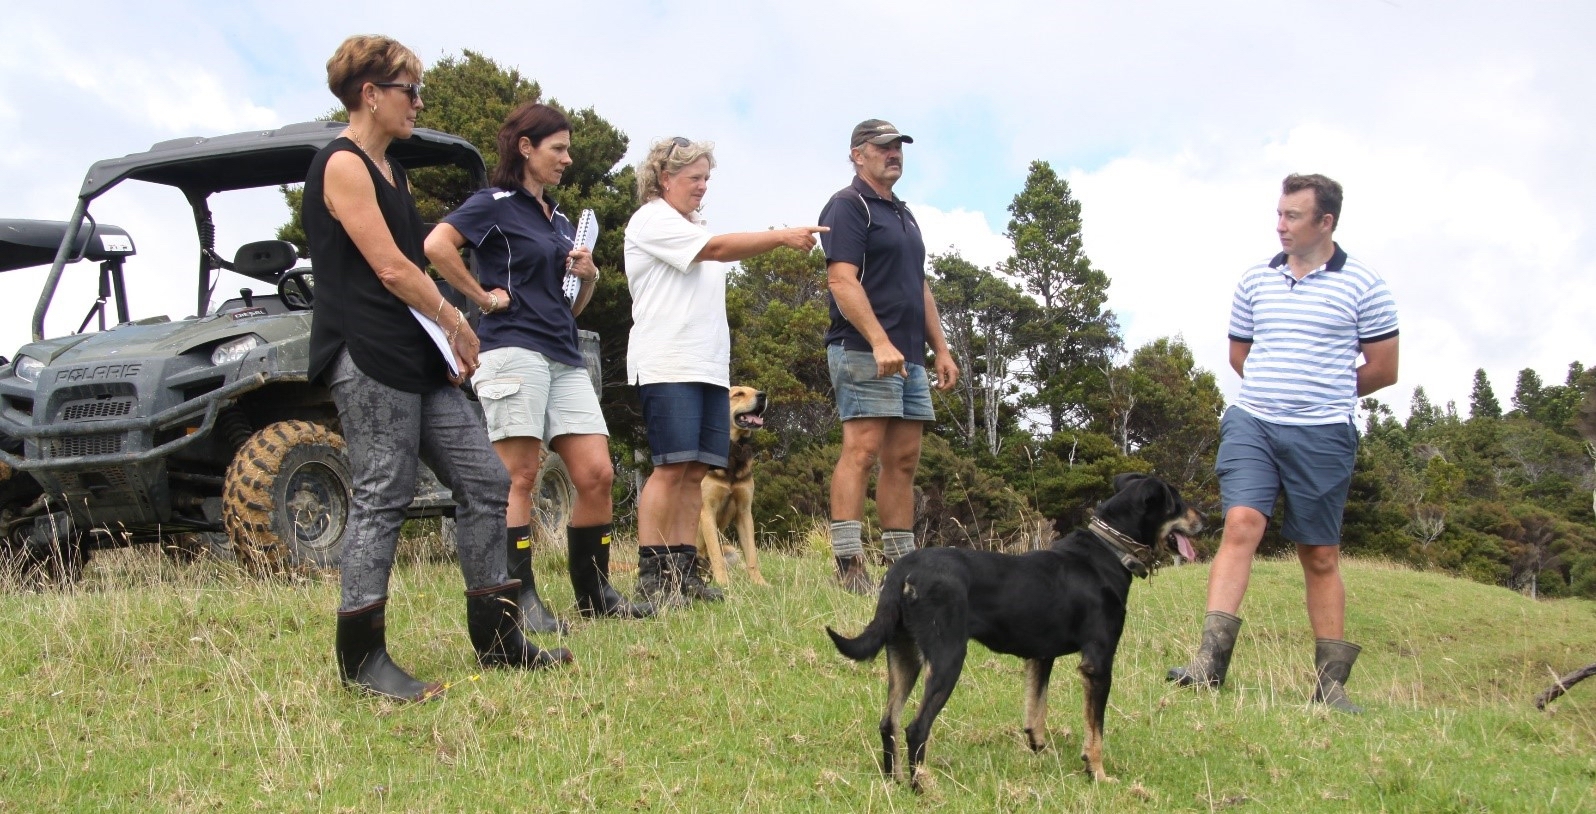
(525, 395)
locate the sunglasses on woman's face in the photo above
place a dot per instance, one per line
(411, 89)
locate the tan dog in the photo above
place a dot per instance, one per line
(729, 492)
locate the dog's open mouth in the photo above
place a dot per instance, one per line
(1183, 545)
(750, 421)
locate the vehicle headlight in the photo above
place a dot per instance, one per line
(234, 349)
(27, 369)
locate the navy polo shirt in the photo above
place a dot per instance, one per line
(523, 252)
(887, 248)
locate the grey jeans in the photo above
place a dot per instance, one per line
(388, 431)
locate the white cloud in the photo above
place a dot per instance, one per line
(965, 232)
(1458, 130)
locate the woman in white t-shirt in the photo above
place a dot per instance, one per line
(680, 355)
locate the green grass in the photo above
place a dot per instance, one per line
(157, 687)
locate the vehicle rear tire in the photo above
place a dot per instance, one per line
(449, 536)
(286, 497)
(553, 500)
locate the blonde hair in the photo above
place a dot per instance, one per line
(368, 58)
(668, 157)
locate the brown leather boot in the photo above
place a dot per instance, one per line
(853, 577)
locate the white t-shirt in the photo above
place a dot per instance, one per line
(679, 331)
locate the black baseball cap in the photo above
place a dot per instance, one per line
(876, 131)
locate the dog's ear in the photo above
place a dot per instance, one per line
(1163, 500)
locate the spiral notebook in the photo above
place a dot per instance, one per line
(587, 230)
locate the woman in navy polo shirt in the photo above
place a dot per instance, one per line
(533, 384)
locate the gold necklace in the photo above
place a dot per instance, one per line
(387, 167)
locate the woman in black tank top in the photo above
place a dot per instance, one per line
(394, 385)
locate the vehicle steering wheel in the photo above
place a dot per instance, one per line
(297, 289)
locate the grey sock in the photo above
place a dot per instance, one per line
(845, 538)
(896, 542)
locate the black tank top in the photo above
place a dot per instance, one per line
(354, 309)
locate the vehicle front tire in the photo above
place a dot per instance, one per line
(286, 497)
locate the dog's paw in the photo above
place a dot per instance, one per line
(922, 780)
(1095, 772)
(1037, 741)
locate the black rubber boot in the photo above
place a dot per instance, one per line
(657, 581)
(684, 559)
(363, 661)
(1332, 662)
(588, 550)
(535, 616)
(494, 621)
(853, 577)
(1212, 661)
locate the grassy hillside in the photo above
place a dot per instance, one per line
(191, 688)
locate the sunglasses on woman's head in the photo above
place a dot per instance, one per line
(411, 89)
(676, 144)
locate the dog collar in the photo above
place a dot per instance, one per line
(1133, 555)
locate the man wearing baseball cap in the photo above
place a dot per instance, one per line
(882, 318)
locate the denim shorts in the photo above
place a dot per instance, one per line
(1312, 465)
(863, 394)
(525, 395)
(687, 421)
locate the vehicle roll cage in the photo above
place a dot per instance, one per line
(200, 167)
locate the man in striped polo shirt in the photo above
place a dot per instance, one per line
(1297, 325)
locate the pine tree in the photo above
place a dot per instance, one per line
(1482, 401)
(1069, 345)
(1528, 393)
(1422, 414)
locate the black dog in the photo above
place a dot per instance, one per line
(1067, 599)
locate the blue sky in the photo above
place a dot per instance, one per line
(1460, 130)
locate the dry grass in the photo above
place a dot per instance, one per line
(188, 687)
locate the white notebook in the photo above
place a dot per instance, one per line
(587, 230)
(440, 339)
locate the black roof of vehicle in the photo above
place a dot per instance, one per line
(262, 158)
(27, 243)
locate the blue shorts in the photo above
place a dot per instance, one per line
(863, 394)
(1312, 465)
(687, 421)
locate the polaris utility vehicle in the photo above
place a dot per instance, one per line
(202, 432)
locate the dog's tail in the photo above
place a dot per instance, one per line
(869, 642)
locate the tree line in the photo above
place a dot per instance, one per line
(1052, 404)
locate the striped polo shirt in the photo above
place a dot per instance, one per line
(1306, 335)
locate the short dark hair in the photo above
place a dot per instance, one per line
(534, 122)
(1326, 194)
(361, 59)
